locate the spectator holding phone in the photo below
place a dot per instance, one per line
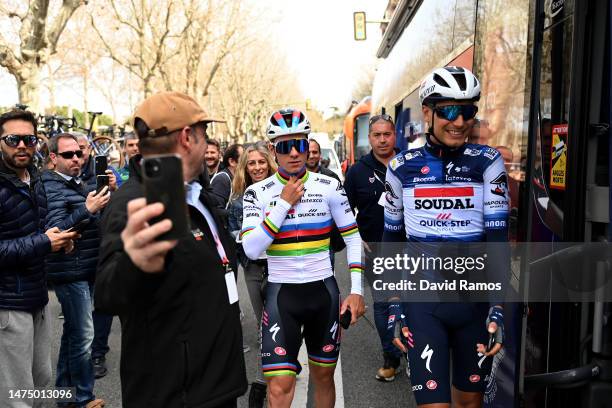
(72, 205)
(25, 332)
(177, 300)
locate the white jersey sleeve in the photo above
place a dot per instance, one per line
(345, 221)
(258, 229)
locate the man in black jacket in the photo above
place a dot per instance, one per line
(181, 334)
(364, 185)
(72, 204)
(25, 352)
(221, 182)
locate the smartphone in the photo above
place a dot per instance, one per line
(163, 182)
(101, 181)
(79, 226)
(100, 165)
(345, 319)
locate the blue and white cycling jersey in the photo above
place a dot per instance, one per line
(459, 195)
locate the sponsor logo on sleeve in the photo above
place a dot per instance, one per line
(390, 194)
(490, 153)
(425, 170)
(250, 197)
(500, 184)
(412, 155)
(471, 152)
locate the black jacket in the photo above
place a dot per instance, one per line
(23, 244)
(221, 185)
(66, 208)
(364, 184)
(181, 342)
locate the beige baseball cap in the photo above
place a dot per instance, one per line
(166, 112)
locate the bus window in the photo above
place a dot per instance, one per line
(361, 136)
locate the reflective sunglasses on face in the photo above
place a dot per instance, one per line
(384, 117)
(14, 140)
(70, 154)
(284, 147)
(452, 112)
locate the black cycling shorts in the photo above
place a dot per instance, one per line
(291, 311)
(442, 331)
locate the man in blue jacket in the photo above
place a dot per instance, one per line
(365, 183)
(25, 360)
(71, 204)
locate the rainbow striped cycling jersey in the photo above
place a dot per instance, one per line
(296, 238)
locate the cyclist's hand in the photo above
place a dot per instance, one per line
(61, 239)
(356, 304)
(495, 328)
(138, 236)
(398, 326)
(95, 202)
(293, 191)
(112, 180)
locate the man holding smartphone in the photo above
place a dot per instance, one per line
(72, 205)
(177, 300)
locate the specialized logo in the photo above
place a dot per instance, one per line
(449, 167)
(249, 197)
(334, 330)
(426, 355)
(501, 184)
(274, 330)
(482, 359)
(329, 348)
(474, 378)
(279, 351)
(431, 385)
(424, 169)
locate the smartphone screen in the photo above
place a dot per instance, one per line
(163, 182)
(100, 165)
(101, 181)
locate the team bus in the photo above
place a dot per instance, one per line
(544, 67)
(355, 131)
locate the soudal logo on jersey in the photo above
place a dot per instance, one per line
(440, 198)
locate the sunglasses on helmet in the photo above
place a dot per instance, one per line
(284, 147)
(13, 140)
(69, 154)
(452, 112)
(376, 118)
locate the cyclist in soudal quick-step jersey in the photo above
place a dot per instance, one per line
(290, 216)
(449, 190)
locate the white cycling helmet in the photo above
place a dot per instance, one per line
(287, 121)
(449, 84)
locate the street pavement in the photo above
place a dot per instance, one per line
(360, 358)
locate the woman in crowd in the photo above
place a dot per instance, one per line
(255, 164)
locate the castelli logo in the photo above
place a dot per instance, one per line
(328, 348)
(424, 169)
(431, 385)
(474, 378)
(280, 351)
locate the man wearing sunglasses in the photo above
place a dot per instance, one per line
(290, 216)
(25, 336)
(449, 190)
(74, 205)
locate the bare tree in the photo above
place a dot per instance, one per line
(38, 36)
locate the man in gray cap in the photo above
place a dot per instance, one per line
(181, 334)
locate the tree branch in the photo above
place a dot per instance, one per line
(54, 33)
(8, 59)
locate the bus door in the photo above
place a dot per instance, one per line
(567, 346)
